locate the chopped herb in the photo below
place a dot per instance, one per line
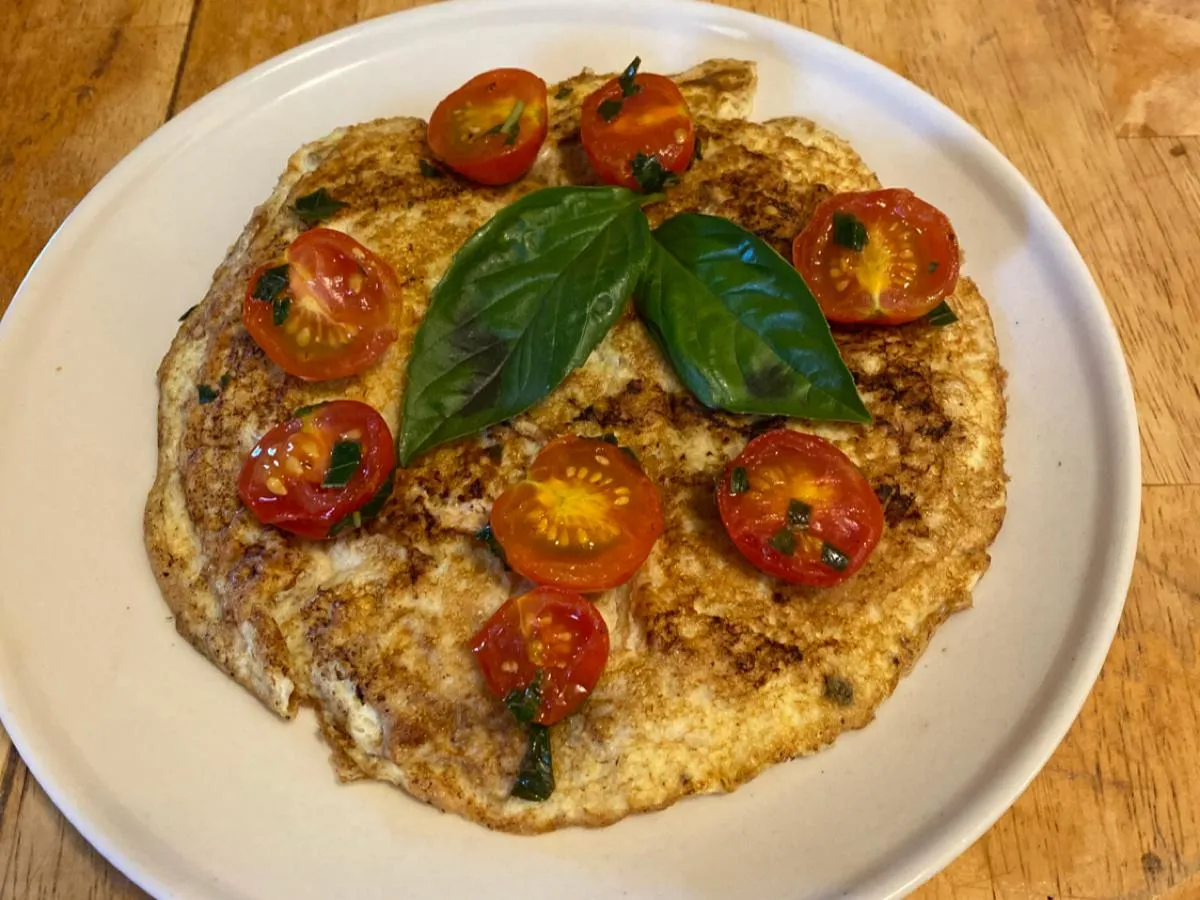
(941, 315)
(271, 284)
(368, 510)
(697, 150)
(933, 266)
(207, 393)
(511, 126)
(485, 534)
(629, 86)
(187, 312)
(535, 780)
(739, 481)
(628, 451)
(784, 541)
(849, 231)
(833, 557)
(280, 307)
(305, 410)
(316, 207)
(563, 92)
(344, 462)
(650, 175)
(523, 702)
(429, 170)
(798, 514)
(611, 438)
(839, 690)
(352, 520)
(225, 379)
(609, 109)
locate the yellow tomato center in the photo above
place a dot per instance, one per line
(575, 511)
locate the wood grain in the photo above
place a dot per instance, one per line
(1073, 91)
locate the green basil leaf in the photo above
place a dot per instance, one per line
(429, 170)
(629, 86)
(344, 462)
(941, 315)
(740, 326)
(849, 231)
(523, 702)
(609, 109)
(270, 284)
(525, 301)
(535, 779)
(206, 393)
(316, 207)
(486, 535)
(368, 510)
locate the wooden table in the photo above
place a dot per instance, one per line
(1096, 101)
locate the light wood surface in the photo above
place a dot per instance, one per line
(1096, 101)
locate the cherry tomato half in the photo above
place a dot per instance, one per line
(907, 266)
(314, 472)
(585, 517)
(551, 631)
(799, 509)
(491, 128)
(328, 313)
(633, 119)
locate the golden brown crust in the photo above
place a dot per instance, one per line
(716, 671)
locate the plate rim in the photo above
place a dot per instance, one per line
(937, 844)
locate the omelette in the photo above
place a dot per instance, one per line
(716, 671)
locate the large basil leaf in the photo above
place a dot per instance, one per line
(740, 325)
(524, 302)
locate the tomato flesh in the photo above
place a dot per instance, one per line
(336, 308)
(585, 517)
(555, 632)
(908, 265)
(283, 481)
(491, 128)
(797, 508)
(654, 121)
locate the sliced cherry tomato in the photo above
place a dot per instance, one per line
(633, 124)
(551, 631)
(585, 517)
(321, 471)
(907, 266)
(331, 317)
(799, 509)
(491, 128)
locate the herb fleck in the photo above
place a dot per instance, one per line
(784, 541)
(629, 86)
(206, 393)
(609, 109)
(739, 481)
(429, 170)
(316, 207)
(563, 92)
(511, 126)
(798, 514)
(697, 150)
(941, 315)
(225, 379)
(305, 410)
(933, 266)
(849, 231)
(833, 557)
(271, 284)
(650, 175)
(839, 690)
(485, 535)
(344, 462)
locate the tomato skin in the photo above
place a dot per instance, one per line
(295, 454)
(340, 298)
(459, 128)
(655, 121)
(585, 518)
(843, 511)
(878, 285)
(526, 635)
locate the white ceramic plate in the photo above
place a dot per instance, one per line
(179, 777)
